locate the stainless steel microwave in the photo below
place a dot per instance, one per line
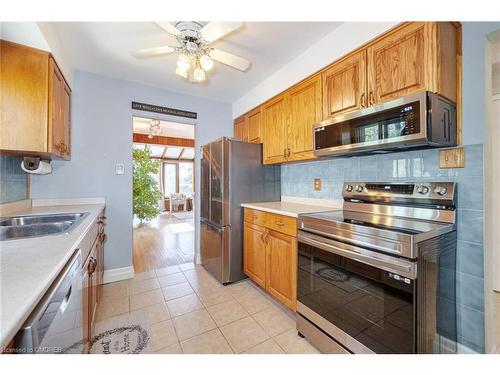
(419, 120)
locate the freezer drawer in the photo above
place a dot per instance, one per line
(214, 248)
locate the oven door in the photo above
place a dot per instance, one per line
(362, 299)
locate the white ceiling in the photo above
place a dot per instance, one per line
(104, 48)
(141, 125)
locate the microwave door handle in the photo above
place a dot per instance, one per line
(390, 265)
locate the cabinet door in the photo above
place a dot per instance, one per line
(275, 130)
(23, 98)
(86, 306)
(281, 268)
(56, 125)
(93, 283)
(240, 129)
(66, 120)
(254, 124)
(254, 251)
(397, 64)
(344, 85)
(304, 110)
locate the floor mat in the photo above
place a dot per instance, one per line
(124, 334)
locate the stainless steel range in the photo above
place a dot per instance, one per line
(378, 276)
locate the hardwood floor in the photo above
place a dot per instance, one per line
(165, 241)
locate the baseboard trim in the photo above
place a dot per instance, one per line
(118, 274)
(197, 259)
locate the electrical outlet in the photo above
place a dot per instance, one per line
(452, 158)
(317, 184)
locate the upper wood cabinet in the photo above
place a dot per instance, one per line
(253, 122)
(417, 56)
(344, 85)
(35, 103)
(274, 118)
(240, 129)
(414, 56)
(59, 113)
(303, 110)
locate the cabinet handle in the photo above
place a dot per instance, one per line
(284, 152)
(289, 152)
(264, 236)
(371, 98)
(362, 100)
(279, 223)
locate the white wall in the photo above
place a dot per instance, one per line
(344, 39)
(26, 33)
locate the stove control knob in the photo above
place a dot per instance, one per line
(348, 188)
(440, 190)
(422, 189)
(359, 188)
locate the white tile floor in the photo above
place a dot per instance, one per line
(190, 312)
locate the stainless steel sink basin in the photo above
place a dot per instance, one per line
(38, 225)
(38, 219)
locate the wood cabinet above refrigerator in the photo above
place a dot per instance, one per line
(35, 104)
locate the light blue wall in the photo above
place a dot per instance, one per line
(297, 180)
(102, 136)
(13, 180)
(473, 79)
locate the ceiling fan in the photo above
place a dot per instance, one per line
(196, 56)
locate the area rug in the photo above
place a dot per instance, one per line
(183, 215)
(124, 334)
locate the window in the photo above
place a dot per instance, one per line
(178, 178)
(186, 178)
(170, 179)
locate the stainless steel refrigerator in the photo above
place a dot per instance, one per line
(231, 173)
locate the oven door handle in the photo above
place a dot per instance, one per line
(385, 262)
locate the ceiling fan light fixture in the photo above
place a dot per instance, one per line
(199, 74)
(181, 72)
(183, 62)
(206, 62)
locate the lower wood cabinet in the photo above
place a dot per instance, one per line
(281, 267)
(93, 270)
(255, 253)
(270, 254)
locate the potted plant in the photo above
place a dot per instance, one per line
(146, 195)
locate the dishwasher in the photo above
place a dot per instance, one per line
(55, 325)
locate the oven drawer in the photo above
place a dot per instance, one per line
(282, 224)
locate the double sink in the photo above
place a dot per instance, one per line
(38, 225)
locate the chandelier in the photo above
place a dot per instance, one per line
(154, 128)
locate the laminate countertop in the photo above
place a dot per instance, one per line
(29, 266)
(290, 208)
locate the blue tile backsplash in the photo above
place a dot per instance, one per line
(422, 165)
(13, 180)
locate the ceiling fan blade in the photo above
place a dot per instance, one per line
(216, 30)
(155, 51)
(169, 28)
(229, 59)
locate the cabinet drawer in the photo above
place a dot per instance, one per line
(282, 224)
(255, 216)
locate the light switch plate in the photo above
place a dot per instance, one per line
(119, 168)
(452, 158)
(317, 184)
